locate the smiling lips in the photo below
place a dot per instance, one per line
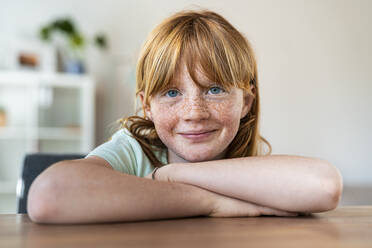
(197, 135)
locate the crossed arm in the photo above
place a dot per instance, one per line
(290, 183)
(90, 191)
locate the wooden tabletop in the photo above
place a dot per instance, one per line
(343, 227)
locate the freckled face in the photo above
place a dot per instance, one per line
(197, 123)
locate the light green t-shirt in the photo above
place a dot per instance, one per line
(125, 154)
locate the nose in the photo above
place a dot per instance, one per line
(195, 109)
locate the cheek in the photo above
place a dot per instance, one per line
(163, 118)
(227, 113)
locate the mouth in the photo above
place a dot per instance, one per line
(197, 135)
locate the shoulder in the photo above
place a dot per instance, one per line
(118, 152)
(122, 135)
(125, 153)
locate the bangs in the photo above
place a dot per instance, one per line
(210, 46)
(216, 54)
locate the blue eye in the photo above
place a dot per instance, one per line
(171, 93)
(215, 90)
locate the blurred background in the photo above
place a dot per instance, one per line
(67, 73)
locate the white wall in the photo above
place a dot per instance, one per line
(313, 58)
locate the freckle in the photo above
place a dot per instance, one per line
(226, 111)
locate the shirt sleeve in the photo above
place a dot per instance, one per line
(118, 152)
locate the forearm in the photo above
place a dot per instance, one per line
(288, 183)
(69, 192)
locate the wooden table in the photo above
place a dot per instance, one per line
(343, 227)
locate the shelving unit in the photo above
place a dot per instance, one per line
(45, 112)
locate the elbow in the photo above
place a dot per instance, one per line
(41, 207)
(332, 188)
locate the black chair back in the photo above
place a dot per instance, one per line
(33, 165)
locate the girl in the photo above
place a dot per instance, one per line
(197, 150)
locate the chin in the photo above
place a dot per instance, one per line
(198, 158)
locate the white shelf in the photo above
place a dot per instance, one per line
(30, 78)
(73, 133)
(12, 133)
(41, 133)
(45, 112)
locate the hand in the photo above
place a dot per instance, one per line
(231, 207)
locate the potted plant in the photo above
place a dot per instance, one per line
(72, 45)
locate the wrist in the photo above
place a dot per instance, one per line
(153, 173)
(174, 172)
(163, 173)
(210, 202)
(178, 173)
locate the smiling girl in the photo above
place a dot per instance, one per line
(196, 151)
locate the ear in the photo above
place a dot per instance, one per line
(145, 107)
(248, 101)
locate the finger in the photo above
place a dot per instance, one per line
(271, 211)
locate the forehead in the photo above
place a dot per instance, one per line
(182, 76)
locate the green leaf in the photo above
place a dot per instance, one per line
(45, 33)
(101, 41)
(64, 25)
(77, 40)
